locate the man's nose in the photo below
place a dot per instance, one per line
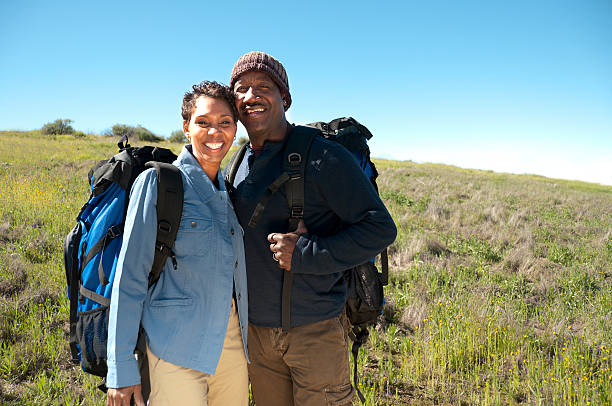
(250, 95)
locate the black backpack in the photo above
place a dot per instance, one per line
(92, 248)
(365, 298)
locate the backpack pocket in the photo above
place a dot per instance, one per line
(71, 254)
(365, 296)
(92, 334)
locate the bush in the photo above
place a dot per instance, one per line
(79, 134)
(120, 130)
(145, 135)
(59, 126)
(243, 140)
(178, 136)
(141, 133)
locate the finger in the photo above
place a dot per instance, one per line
(273, 247)
(271, 237)
(138, 398)
(282, 259)
(111, 398)
(286, 265)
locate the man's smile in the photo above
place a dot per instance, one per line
(251, 109)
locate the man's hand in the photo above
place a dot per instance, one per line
(282, 245)
(122, 396)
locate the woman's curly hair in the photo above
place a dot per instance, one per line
(209, 89)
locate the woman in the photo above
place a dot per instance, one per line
(196, 343)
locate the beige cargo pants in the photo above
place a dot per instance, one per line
(306, 366)
(175, 385)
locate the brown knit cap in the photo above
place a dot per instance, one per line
(262, 62)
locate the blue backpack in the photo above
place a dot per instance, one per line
(365, 301)
(92, 248)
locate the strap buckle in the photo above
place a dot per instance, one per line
(294, 158)
(114, 231)
(297, 212)
(164, 226)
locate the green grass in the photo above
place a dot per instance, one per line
(499, 290)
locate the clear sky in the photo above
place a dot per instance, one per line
(520, 86)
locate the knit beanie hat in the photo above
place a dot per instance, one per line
(262, 62)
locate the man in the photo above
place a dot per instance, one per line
(344, 224)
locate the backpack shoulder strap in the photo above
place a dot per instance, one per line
(234, 164)
(295, 157)
(169, 213)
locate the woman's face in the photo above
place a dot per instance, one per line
(211, 131)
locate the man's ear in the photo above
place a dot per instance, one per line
(186, 130)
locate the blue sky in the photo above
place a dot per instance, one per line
(521, 87)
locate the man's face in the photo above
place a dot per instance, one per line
(259, 102)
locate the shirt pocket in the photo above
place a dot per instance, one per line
(168, 302)
(194, 237)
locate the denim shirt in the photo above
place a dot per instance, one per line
(185, 314)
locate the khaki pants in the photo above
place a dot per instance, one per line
(175, 385)
(306, 366)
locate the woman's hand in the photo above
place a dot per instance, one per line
(122, 396)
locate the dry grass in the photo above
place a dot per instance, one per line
(499, 290)
(526, 259)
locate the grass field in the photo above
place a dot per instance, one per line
(499, 291)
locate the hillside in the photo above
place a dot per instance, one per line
(500, 289)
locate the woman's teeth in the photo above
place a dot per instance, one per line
(214, 145)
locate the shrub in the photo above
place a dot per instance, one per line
(59, 126)
(141, 133)
(145, 135)
(120, 130)
(178, 136)
(243, 140)
(79, 134)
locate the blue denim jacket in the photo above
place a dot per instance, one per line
(185, 314)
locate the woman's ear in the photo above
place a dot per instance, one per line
(186, 130)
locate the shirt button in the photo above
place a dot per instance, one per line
(238, 296)
(236, 264)
(194, 224)
(232, 231)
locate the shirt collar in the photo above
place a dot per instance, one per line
(196, 175)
